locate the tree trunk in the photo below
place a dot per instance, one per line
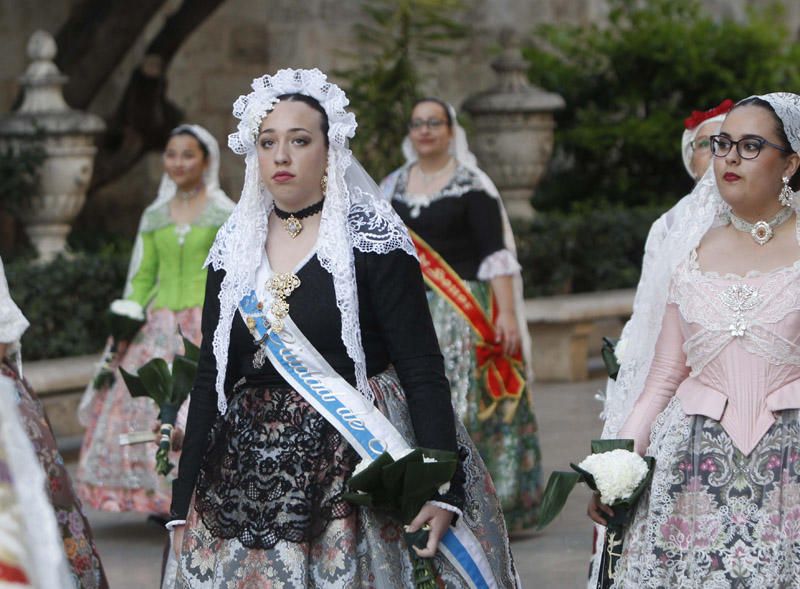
(95, 38)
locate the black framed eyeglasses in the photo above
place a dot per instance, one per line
(748, 148)
(431, 124)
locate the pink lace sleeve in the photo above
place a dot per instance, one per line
(667, 371)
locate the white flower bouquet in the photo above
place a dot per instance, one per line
(125, 319)
(619, 476)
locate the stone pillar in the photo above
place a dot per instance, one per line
(66, 137)
(513, 128)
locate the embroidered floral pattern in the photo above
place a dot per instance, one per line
(715, 517)
(78, 543)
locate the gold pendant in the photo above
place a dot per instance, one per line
(293, 226)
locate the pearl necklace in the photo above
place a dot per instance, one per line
(761, 231)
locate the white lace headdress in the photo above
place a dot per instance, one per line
(684, 227)
(459, 149)
(354, 215)
(167, 190)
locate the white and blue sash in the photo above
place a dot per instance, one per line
(357, 419)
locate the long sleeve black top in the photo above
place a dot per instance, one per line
(396, 329)
(462, 223)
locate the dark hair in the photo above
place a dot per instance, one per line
(438, 101)
(313, 103)
(794, 182)
(189, 133)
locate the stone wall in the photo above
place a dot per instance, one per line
(246, 38)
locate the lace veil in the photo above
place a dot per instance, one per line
(37, 541)
(354, 215)
(166, 192)
(680, 231)
(12, 322)
(459, 149)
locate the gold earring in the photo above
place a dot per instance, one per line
(324, 184)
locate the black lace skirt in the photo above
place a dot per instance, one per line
(276, 470)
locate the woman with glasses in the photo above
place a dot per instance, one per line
(696, 140)
(468, 258)
(713, 393)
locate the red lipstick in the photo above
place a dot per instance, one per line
(731, 177)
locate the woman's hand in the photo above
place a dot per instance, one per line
(507, 332)
(176, 440)
(177, 540)
(121, 347)
(597, 509)
(438, 520)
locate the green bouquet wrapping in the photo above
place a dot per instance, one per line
(169, 387)
(619, 476)
(402, 487)
(609, 355)
(125, 319)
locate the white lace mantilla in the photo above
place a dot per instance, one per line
(729, 308)
(12, 322)
(354, 214)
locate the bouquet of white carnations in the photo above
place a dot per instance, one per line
(619, 475)
(125, 319)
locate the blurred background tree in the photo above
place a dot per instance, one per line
(629, 84)
(396, 42)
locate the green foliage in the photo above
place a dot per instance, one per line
(66, 301)
(383, 84)
(19, 176)
(584, 250)
(629, 85)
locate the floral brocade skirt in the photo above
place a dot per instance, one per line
(715, 518)
(76, 535)
(268, 511)
(507, 438)
(123, 478)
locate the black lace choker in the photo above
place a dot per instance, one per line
(291, 221)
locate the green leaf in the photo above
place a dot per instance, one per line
(135, 386)
(190, 351)
(157, 380)
(600, 446)
(559, 486)
(184, 371)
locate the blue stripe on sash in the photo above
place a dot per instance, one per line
(464, 558)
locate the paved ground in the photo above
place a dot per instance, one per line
(553, 559)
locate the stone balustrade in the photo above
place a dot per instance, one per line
(561, 327)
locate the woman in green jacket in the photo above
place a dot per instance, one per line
(166, 277)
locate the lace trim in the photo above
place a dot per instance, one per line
(446, 507)
(694, 265)
(735, 310)
(500, 263)
(276, 470)
(463, 181)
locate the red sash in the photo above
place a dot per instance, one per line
(501, 374)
